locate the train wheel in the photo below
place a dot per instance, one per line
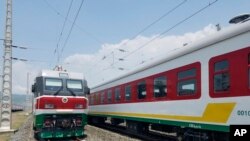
(137, 127)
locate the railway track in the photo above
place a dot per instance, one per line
(25, 133)
(94, 133)
(148, 136)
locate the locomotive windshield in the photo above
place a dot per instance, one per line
(60, 83)
(75, 85)
(60, 87)
(53, 84)
(63, 87)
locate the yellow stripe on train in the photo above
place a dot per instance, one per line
(214, 112)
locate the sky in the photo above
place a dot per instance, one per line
(106, 39)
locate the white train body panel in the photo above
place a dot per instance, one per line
(199, 110)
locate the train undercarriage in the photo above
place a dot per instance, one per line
(178, 132)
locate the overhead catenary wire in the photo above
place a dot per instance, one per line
(64, 23)
(169, 29)
(147, 27)
(157, 20)
(90, 35)
(166, 31)
(71, 28)
(79, 27)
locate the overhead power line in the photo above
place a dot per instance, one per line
(93, 37)
(159, 19)
(20, 47)
(72, 26)
(164, 32)
(64, 23)
(145, 28)
(169, 29)
(156, 21)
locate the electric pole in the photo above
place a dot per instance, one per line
(27, 95)
(6, 101)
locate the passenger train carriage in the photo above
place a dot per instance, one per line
(198, 91)
(60, 104)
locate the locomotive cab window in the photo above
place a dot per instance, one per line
(74, 85)
(117, 94)
(141, 90)
(128, 93)
(53, 84)
(187, 82)
(221, 76)
(160, 89)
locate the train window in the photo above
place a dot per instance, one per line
(128, 93)
(221, 76)
(220, 66)
(109, 96)
(53, 84)
(160, 89)
(249, 77)
(249, 70)
(141, 90)
(229, 74)
(221, 82)
(97, 98)
(117, 94)
(248, 59)
(187, 87)
(91, 99)
(187, 74)
(102, 97)
(187, 82)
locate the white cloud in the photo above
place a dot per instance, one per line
(104, 65)
(19, 76)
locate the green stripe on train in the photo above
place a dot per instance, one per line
(212, 127)
(61, 134)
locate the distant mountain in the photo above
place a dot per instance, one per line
(20, 99)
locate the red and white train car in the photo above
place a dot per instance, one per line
(197, 91)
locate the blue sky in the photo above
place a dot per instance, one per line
(102, 25)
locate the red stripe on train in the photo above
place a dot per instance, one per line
(61, 103)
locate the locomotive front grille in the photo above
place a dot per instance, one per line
(62, 121)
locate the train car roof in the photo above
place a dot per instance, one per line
(62, 74)
(219, 36)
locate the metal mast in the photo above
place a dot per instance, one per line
(6, 102)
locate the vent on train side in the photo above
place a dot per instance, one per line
(240, 19)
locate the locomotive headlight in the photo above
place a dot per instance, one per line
(79, 106)
(49, 106)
